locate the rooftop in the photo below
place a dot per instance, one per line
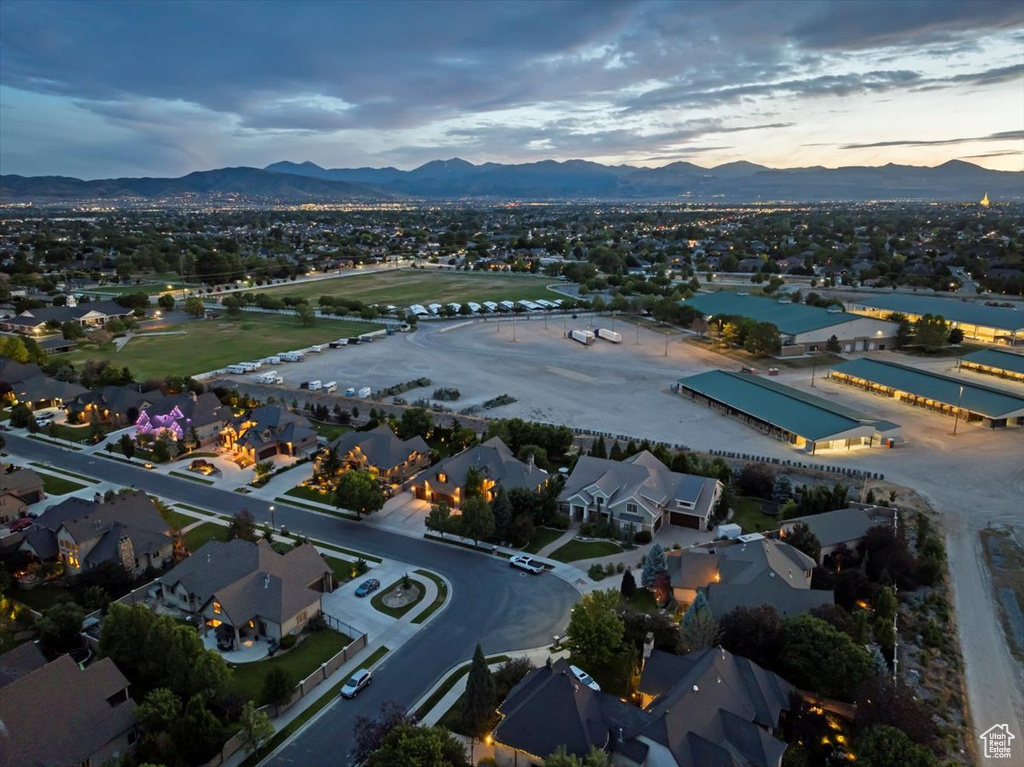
(997, 358)
(977, 398)
(789, 318)
(964, 312)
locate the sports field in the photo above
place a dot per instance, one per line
(419, 286)
(211, 344)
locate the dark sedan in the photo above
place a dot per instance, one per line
(367, 587)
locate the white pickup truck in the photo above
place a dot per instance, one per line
(523, 562)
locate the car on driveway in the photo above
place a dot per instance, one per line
(367, 587)
(523, 562)
(586, 678)
(362, 678)
(44, 421)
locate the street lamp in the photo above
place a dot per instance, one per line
(956, 420)
(272, 525)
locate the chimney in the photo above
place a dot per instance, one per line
(530, 461)
(126, 552)
(648, 647)
(266, 581)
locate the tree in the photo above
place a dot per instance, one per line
(654, 564)
(474, 483)
(477, 519)
(904, 331)
(198, 732)
(699, 629)
(359, 491)
(256, 727)
(60, 626)
(232, 305)
(157, 715)
(262, 469)
(194, 307)
(501, 506)
(439, 518)
(127, 446)
(162, 449)
(166, 302)
(368, 733)
(803, 539)
(415, 746)
(480, 702)
(595, 630)
(763, 340)
(71, 330)
(415, 422)
(956, 336)
(560, 758)
(243, 526)
(21, 416)
(628, 587)
(754, 633)
(817, 657)
(884, 629)
(931, 332)
(886, 746)
(306, 314)
(278, 687)
(521, 530)
(832, 345)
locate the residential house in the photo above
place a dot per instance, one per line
(60, 714)
(112, 405)
(19, 662)
(244, 591)
(19, 489)
(267, 431)
(841, 529)
(640, 492)
(177, 415)
(89, 314)
(748, 572)
(705, 708)
(25, 383)
(493, 462)
(381, 450)
(126, 530)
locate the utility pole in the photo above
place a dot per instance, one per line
(181, 272)
(637, 331)
(666, 344)
(959, 400)
(813, 368)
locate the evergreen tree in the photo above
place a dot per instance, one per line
(654, 564)
(631, 449)
(628, 587)
(502, 509)
(598, 449)
(480, 698)
(616, 453)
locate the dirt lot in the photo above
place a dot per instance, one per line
(974, 479)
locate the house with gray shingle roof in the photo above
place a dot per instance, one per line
(25, 383)
(745, 573)
(60, 714)
(19, 488)
(177, 415)
(842, 528)
(380, 449)
(89, 314)
(115, 405)
(640, 492)
(704, 708)
(267, 431)
(126, 530)
(495, 464)
(246, 590)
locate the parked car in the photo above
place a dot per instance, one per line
(362, 678)
(524, 562)
(20, 524)
(367, 587)
(44, 421)
(586, 678)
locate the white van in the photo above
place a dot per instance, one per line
(314, 385)
(330, 386)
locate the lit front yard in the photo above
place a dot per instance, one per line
(302, 660)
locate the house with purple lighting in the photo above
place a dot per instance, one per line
(177, 415)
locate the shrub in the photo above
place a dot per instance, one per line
(643, 537)
(609, 569)
(596, 572)
(560, 522)
(288, 641)
(620, 567)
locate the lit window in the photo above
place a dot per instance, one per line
(442, 477)
(216, 608)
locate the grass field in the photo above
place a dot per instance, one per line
(212, 344)
(197, 536)
(54, 485)
(416, 286)
(748, 515)
(575, 550)
(542, 536)
(301, 661)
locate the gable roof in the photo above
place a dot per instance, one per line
(250, 578)
(116, 398)
(997, 358)
(20, 480)
(739, 564)
(40, 387)
(962, 312)
(77, 700)
(834, 527)
(65, 313)
(723, 598)
(196, 411)
(494, 461)
(381, 446)
(270, 424)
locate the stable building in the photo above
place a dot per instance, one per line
(803, 420)
(995, 362)
(803, 329)
(956, 397)
(991, 324)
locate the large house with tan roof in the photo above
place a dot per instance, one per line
(381, 450)
(245, 591)
(19, 489)
(640, 492)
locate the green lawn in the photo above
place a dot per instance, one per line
(207, 531)
(310, 494)
(439, 600)
(54, 485)
(78, 434)
(330, 431)
(192, 477)
(415, 286)
(575, 550)
(748, 515)
(301, 661)
(449, 683)
(642, 601)
(42, 596)
(82, 477)
(177, 520)
(211, 344)
(542, 536)
(342, 568)
(397, 612)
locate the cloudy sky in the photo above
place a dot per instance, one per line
(100, 89)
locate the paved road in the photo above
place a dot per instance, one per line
(490, 603)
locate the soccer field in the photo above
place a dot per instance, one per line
(212, 344)
(419, 286)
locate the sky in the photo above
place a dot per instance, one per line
(107, 89)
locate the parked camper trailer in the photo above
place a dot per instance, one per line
(237, 369)
(585, 337)
(365, 392)
(609, 335)
(314, 385)
(491, 306)
(331, 386)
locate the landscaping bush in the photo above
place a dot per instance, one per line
(596, 572)
(560, 522)
(288, 641)
(643, 537)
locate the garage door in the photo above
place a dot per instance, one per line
(267, 452)
(685, 520)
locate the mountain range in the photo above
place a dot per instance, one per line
(734, 182)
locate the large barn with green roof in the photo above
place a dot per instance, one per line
(991, 324)
(803, 329)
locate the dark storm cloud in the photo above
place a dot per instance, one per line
(1013, 135)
